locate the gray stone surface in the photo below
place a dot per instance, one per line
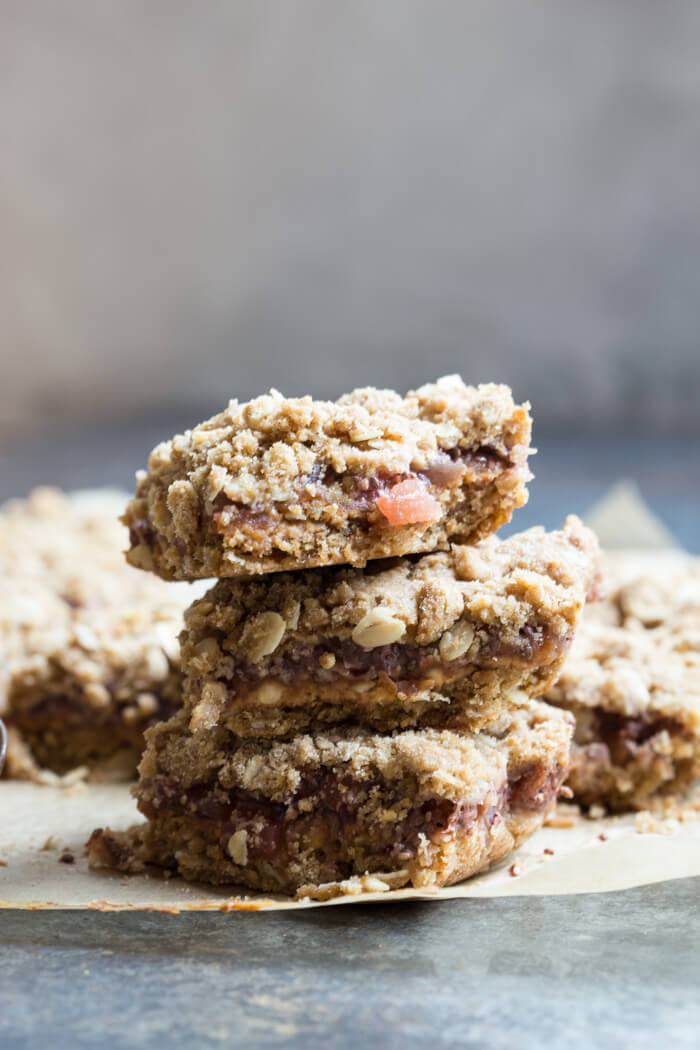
(609, 970)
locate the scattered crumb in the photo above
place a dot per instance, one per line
(67, 858)
(51, 843)
(560, 822)
(549, 852)
(683, 808)
(603, 837)
(564, 816)
(243, 904)
(650, 824)
(514, 870)
(3, 864)
(379, 883)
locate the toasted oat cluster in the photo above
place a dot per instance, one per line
(426, 807)
(394, 645)
(89, 655)
(286, 484)
(633, 683)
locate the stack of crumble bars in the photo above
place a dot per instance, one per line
(360, 684)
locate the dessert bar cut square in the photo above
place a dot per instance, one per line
(394, 645)
(89, 655)
(635, 693)
(429, 807)
(284, 484)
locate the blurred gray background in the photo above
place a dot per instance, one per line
(200, 200)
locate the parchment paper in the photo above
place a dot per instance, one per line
(43, 829)
(35, 877)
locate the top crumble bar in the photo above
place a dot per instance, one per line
(281, 484)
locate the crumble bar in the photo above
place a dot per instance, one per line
(635, 694)
(429, 807)
(391, 646)
(283, 484)
(89, 655)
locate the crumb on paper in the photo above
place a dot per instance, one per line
(245, 904)
(548, 852)
(665, 815)
(603, 837)
(565, 815)
(649, 824)
(51, 843)
(683, 808)
(3, 864)
(514, 870)
(645, 822)
(75, 778)
(380, 883)
(67, 857)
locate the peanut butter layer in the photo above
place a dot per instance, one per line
(89, 655)
(430, 807)
(393, 645)
(635, 694)
(283, 484)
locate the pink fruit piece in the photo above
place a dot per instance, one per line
(409, 503)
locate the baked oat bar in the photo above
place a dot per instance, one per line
(393, 645)
(284, 484)
(635, 694)
(89, 655)
(82, 693)
(430, 807)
